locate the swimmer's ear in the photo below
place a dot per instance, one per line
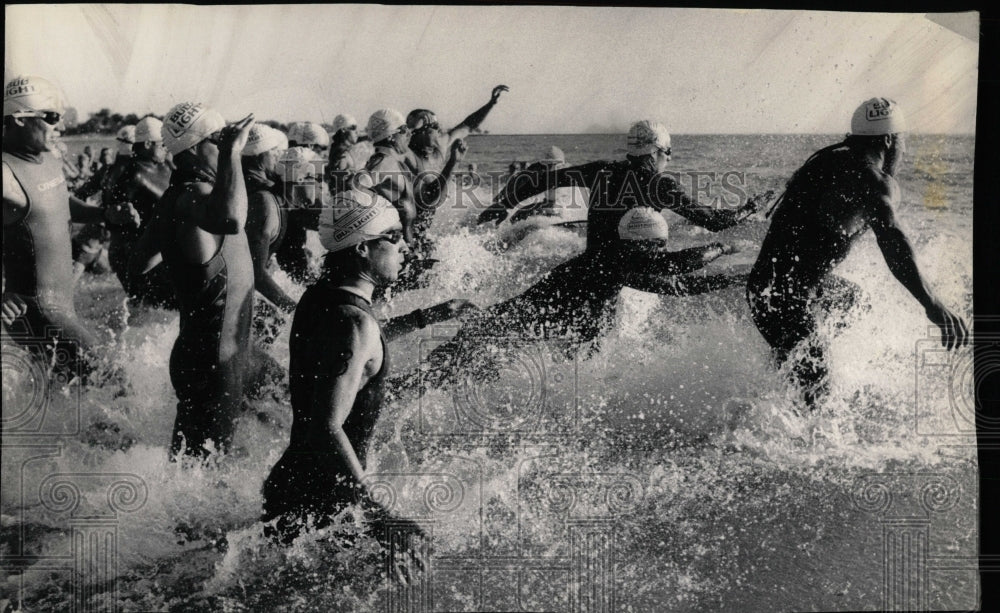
(887, 140)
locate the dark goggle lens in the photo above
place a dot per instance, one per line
(51, 117)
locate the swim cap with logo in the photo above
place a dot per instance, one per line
(343, 121)
(645, 137)
(354, 217)
(298, 164)
(29, 93)
(310, 133)
(263, 138)
(643, 223)
(149, 129)
(876, 117)
(189, 123)
(384, 123)
(418, 118)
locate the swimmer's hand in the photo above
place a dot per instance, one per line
(755, 203)
(499, 89)
(456, 307)
(233, 138)
(494, 212)
(13, 307)
(123, 214)
(954, 332)
(458, 149)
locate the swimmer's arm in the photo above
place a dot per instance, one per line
(81, 212)
(262, 226)
(433, 185)
(669, 195)
(90, 187)
(146, 251)
(348, 378)
(683, 285)
(892, 241)
(393, 188)
(689, 260)
(421, 318)
(527, 183)
(477, 117)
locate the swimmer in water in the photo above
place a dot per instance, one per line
(266, 225)
(830, 202)
(617, 186)
(133, 197)
(552, 159)
(199, 229)
(38, 309)
(575, 303)
(338, 369)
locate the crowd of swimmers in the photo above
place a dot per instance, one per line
(198, 212)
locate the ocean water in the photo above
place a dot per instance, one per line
(670, 471)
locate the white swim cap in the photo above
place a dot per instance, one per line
(189, 123)
(298, 164)
(263, 138)
(353, 218)
(645, 137)
(149, 129)
(126, 135)
(642, 223)
(344, 121)
(310, 133)
(876, 117)
(553, 155)
(384, 123)
(28, 93)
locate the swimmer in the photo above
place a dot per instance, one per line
(338, 370)
(132, 198)
(617, 186)
(37, 209)
(341, 167)
(575, 303)
(298, 181)
(831, 201)
(266, 224)
(199, 229)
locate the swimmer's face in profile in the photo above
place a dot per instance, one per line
(423, 141)
(661, 158)
(40, 129)
(384, 255)
(352, 134)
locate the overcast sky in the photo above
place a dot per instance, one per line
(569, 69)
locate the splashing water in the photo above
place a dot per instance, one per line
(670, 470)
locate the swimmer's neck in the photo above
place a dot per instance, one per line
(360, 286)
(22, 150)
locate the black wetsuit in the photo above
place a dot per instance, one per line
(312, 478)
(261, 194)
(38, 264)
(209, 359)
(341, 167)
(153, 288)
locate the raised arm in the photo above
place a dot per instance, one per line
(432, 186)
(898, 253)
(477, 117)
(224, 211)
(263, 225)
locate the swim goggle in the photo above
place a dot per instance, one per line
(49, 117)
(393, 236)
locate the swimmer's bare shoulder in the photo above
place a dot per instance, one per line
(358, 335)
(14, 198)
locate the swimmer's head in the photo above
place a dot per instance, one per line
(346, 126)
(189, 124)
(311, 135)
(364, 235)
(33, 108)
(148, 135)
(422, 120)
(553, 157)
(649, 138)
(298, 165)
(264, 148)
(125, 139)
(880, 124)
(643, 224)
(388, 127)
